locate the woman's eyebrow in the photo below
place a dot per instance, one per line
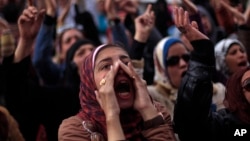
(124, 57)
(108, 59)
(105, 60)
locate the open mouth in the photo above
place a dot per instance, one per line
(242, 64)
(122, 86)
(123, 89)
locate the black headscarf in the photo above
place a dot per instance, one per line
(71, 76)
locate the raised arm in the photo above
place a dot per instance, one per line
(42, 57)
(29, 24)
(118, 30)
(195, 93)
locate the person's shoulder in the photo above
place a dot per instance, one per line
(74, 128)
(71, 129)
(72, 121)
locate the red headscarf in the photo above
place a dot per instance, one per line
(91, 111)
(235, 100)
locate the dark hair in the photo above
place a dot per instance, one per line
(235, 100)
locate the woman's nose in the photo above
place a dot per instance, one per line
(182, 62)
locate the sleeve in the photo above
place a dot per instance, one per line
(159, 128)
(74, 129)
(118, 32)
(42, 58)
(195, 94)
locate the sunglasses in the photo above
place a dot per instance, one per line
(174, 60)
(246, 84)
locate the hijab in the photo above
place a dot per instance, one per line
(131, 120)
(160, 55)
(221, 50)
(72, 77)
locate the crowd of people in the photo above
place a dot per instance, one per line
(84, 70)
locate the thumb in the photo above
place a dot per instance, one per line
(98, 98)
(41, 15)
(194, 24)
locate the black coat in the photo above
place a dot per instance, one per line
(193, 119)
(32, 105)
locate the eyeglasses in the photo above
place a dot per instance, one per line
(174, 60)
(246, 84)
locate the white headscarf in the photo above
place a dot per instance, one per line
(221, 50)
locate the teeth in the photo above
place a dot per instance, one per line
(123, 93)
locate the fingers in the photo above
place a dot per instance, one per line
(98, 97)
(126, 69)
(181, 19)
(186, 19)
(41, 15)
(129, 69)
(195, 25)
(148, 9)
(28, 14)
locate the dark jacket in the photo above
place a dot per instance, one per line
(193, 119)
(32, 105)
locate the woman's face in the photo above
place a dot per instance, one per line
(81, 54)
(68, 39)
(177, 63)
(123, 85)
(246, 92)
(236, 58)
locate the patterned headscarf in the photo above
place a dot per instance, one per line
(221, 50)
(160, 55)
(131, 120)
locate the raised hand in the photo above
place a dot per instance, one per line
(190, 30)
(105, 94)
(144, 24)
(29, 22)
(238, 16)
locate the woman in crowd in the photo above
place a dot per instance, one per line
(230, 55)
(115, 102)
(24, 93)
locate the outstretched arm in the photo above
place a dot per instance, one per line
(29, 24)
(195, 93)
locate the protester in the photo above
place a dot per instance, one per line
(230, 56)
(115, 102)
(193, 119)
(51, 104)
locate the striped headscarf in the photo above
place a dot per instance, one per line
(131, 120)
